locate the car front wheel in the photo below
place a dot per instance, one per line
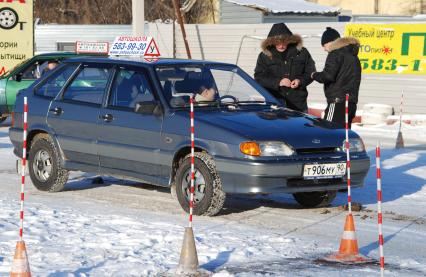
(208, 194)
(44, 165)
(315, 199)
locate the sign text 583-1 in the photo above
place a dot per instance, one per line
(391, 65)
(390, 48)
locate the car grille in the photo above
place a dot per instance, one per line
(324, 150)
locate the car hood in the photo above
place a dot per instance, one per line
(297, 129)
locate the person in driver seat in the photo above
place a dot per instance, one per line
(206, 93)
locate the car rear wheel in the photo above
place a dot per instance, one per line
(315, 199)
(208, 194)
(44, 165)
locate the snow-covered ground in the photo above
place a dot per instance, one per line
(123, 228)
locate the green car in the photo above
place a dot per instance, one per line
(22, 76)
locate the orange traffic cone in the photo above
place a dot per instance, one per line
(20, 265)
(348, 251)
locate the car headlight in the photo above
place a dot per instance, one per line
(355, 145)
(266, 148)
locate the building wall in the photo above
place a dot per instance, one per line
(385, 7)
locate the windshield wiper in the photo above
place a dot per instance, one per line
(219, 103)
(201, 104)
(257, 102)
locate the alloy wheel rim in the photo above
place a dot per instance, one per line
(199, 186)
(42, 165)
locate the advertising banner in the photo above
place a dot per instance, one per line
(16, 33)
(391, 48)
(83, 47)
(134, 46)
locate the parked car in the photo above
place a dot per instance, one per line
(22, 76)
(84, 117)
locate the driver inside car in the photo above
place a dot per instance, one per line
(206, 94)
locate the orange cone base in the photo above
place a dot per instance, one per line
(348, 259)
(20, 265)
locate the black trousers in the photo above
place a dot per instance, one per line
(335, 112)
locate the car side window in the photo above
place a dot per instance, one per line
(34, 71)
(89, 85)
(129, 88)
(53, 85)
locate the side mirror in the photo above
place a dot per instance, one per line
(149, 107)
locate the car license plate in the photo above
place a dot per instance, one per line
(317, 171)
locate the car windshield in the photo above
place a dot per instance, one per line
(212, 85)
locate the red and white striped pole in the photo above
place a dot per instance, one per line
(399, 139)
(191, 201)
(348, 161)
(400, 109)
(24, 164)
(20, 265)
(379, 209)
(188, 262)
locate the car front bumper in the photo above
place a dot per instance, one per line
(239, 176)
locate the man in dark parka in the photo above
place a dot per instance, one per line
(284, 67)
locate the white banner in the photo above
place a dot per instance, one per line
(134, 46)
(91, 47)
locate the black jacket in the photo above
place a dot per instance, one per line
(294, 63)
(342, 71)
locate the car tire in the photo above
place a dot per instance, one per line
(45, 166)
(315, 199)
(3, 118)
(208, 196)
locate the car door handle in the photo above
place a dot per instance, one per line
(57, 110)
(107, 117)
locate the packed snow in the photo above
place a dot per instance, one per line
(123, 228)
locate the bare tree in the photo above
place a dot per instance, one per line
(116, 11)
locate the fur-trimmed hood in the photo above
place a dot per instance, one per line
(270, 42)
(343, 42)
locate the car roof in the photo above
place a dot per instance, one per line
(144, 60)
